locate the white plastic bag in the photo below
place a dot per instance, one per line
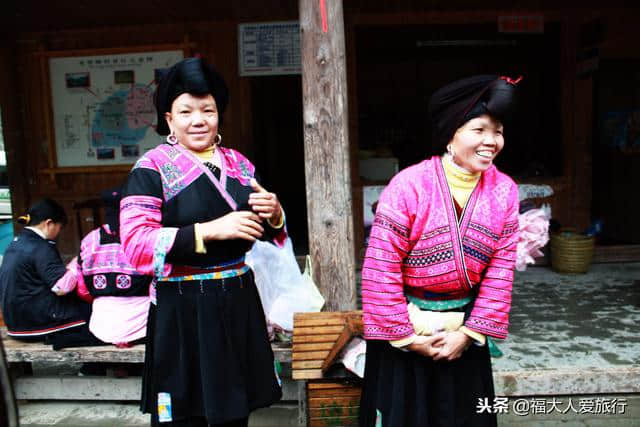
(282, 288)
(353, 356)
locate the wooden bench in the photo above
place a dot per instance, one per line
(72, 387)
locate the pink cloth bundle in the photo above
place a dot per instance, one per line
(119, 320)
(534, 234)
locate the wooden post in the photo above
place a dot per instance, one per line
(326, 152)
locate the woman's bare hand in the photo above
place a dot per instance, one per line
(264, 203)
(453, 344)
(428, 346)
(234, 225)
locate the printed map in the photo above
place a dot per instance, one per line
(103, 111)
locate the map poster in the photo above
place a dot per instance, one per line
(103, 111)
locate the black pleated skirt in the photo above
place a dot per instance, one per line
(208, 349)
(409, 390)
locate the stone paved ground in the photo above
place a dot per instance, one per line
(585, 321)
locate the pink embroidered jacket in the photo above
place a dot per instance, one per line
(417, 246)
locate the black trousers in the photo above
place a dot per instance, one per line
(78, 336)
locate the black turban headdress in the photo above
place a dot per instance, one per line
(191, 75)
(456, 103)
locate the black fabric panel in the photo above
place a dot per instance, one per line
(184, 244)
(139, 285)
(143, 182)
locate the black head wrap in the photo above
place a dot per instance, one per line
(191, 75)
(456, 103)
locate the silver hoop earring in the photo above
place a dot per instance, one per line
(172, 139)
(217, 140)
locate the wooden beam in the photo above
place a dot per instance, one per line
(326, 143)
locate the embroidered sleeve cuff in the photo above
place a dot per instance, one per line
(403, 342)
(199, 241)
(167, 241)
(476, 336)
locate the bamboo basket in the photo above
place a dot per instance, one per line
(571, 253)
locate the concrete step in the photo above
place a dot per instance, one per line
(110, 414)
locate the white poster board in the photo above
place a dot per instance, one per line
(269, 48)
(102, 105)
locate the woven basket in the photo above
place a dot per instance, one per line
(571, 253)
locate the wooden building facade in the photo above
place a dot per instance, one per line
(368, 68)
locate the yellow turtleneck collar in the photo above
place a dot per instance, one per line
(204, 155)
(461, 182)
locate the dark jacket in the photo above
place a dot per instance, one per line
(30, 268)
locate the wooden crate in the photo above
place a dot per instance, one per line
(314, 335)
(333, 403)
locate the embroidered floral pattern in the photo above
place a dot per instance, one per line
(171, 183)
(99, 281)
(123, 281)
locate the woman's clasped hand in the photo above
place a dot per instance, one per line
(442, 346)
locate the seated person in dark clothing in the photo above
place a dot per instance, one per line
(29, 277)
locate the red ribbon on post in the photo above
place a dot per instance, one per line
(323, 14)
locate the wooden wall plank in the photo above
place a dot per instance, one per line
(306, 374)
(340, 401)
(333, 321)
(313, 346)
(306, 364)
(315, 339)
(316, 330)
(315, 413)
(310, 355)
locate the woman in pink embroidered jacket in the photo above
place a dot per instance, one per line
(190, 211)
(438, 270)
(120, 294)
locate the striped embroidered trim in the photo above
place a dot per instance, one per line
(389, 223)
(469, 251)
(431, 250)
(216, 275)
(47, 330)
(510, 228)
(484, 230)
(437, 258)
(436, 232)
(450, 208)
